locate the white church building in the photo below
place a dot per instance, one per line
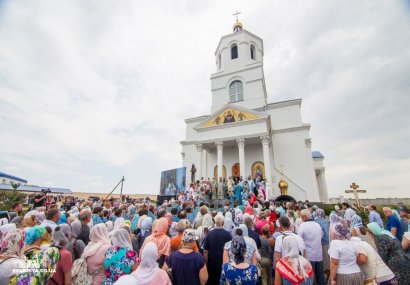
(244, 133)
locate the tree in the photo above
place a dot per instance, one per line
(9, 198)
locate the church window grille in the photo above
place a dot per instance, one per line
(234, 51)
(253, 55)
(236, 91)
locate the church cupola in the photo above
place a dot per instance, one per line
(237, 27)
(239, 76)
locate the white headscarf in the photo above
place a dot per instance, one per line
(149, 266)
(4, 221)
(118, 223)
(121, 238)
(228, 224)
(207, 221)
(126, 280)
(291, 250)
(110, 225)
(98, 237)
(31, 213)
(5, 228)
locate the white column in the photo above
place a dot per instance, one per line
(266, 160)
(314, 191)
(323, 186)
(199, 161)
(220, 147)
(241, 147)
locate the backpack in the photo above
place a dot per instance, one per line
(80, 273)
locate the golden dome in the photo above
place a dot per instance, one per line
(237, 26)
(283, 186)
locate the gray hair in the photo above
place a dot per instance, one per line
(181, 226)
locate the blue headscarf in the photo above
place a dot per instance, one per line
(34, 234)
(238, 248)
(357, 221)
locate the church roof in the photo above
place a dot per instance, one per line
(32, 188)
(317, 154)
(8, 176)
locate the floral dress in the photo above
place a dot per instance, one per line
(42, 265)
(235, 276)
(392, 253)
(118, 261)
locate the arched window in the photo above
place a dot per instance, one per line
(253, 54)
(236, 91)
(234, 51)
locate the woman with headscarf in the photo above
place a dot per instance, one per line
(239, 270)
(207, 225)
(160, 238)
(131, 212)
(37, 238)
(228, 224)
(358, 230)
(30, 219)
(145, 231)
(390, 250)
(109, 225)
(148, 272)
(75, 246)
(62, 273)
(188, 267)
(324, 224)
(11, 254)
(199, 217)
(343, 267)
(333, 219)
(293, 268)
(95, 251)
(371, 264)
(5, 228)
(251, 254)
(120, 259)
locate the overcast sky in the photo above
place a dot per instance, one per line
(94, 90)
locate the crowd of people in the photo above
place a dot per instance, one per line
(66, 240)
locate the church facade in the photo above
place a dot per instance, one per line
(244, 135)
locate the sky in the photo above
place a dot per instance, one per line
(91, 91)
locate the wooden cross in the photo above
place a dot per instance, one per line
(355, 190)
(236, 14)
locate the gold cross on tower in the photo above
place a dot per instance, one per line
(236, 14)
(355, 190)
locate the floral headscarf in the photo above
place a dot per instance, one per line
(340, 230)
(12, 244)
(357, 221)
(238, 219)
(333, 217)
(320, 214)
(238, 248)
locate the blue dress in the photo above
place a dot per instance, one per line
(235, 276)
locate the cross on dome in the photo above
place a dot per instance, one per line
(237, 26)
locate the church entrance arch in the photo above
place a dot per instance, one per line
(258, 168)
(236, 170)
(216, 172)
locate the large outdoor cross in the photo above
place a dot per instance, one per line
(355, 190)
(236, 14)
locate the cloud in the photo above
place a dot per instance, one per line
(94, 90)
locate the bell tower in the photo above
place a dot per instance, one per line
(239, 77)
